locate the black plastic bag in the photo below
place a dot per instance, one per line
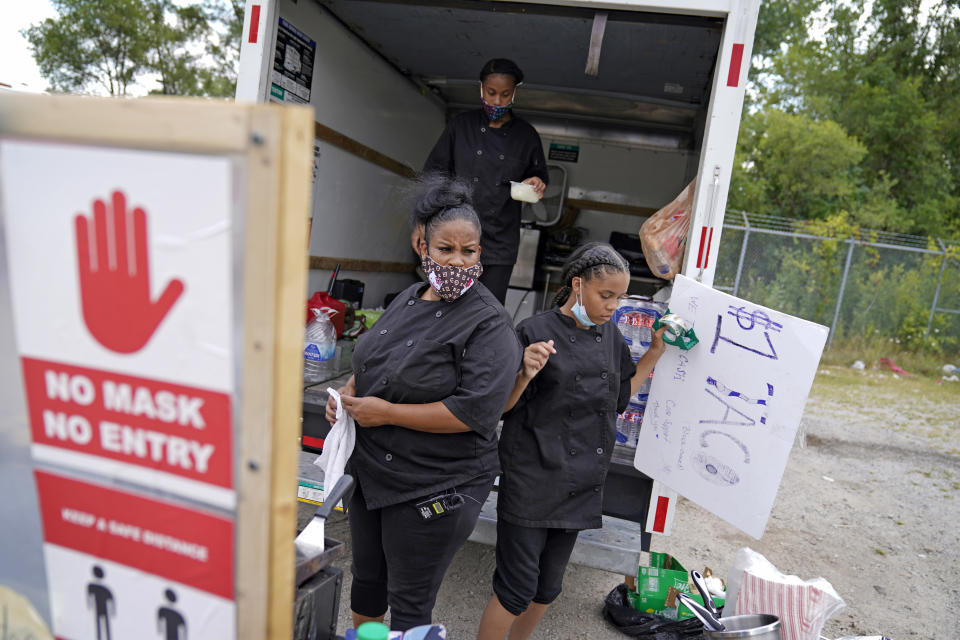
(646, 626)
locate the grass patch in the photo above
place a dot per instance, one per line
(877, 387)
(927, 363)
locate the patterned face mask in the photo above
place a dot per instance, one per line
(494, 112)
(448, 281)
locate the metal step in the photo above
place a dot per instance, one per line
(614, 548)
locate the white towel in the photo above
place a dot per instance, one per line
(337, 447)
(754, 585)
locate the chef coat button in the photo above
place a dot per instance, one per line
(599, 451)
(596, 489)
(409, 343)
(578, 377)
(438, 313)
(604, 375)
(602, 413)
(483, 129)
(479, 152)
(573, 452)
(384, 381)
(363, 368)
(598, 338)
(476, 179)
(573, 338)
(501, 156)
(573, 493)
(388, 457)
(383, 332)
(410, 303)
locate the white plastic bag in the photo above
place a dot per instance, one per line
(337, 447)
(663, 235)
(754, 585)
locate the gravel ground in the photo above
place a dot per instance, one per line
(869, 501)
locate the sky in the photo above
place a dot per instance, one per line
(17, 67)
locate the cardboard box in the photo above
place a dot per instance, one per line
(658, 584)
(664, 572)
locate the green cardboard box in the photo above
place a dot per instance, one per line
(664, 572)
(654, 583)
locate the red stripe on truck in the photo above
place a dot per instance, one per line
(660, 519)
(736, 58)
(706, 256)
(703, 236)
(254, 24)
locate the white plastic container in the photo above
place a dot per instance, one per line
(523, 192)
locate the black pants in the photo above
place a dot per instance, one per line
(496, 277)
(399, 559)
(530, 564)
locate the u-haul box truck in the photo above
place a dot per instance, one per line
(633, 99)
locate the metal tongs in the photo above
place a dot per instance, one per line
(707, 613)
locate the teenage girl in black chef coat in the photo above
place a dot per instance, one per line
(558, 436)
(429, 383)
(489, 147)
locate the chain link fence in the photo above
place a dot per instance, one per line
(863, 284)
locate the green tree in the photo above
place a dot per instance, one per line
(791, 165)
(105, 46)
(91, 44)
(888, 72)
(223, 48)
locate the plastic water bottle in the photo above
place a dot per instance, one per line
(628, 423)
(635, 321)
(319, 348)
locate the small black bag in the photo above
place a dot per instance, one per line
(646, 626)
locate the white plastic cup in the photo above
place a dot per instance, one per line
(523, 192)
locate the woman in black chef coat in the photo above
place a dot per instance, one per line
(430, 380)
(488, 147)
(558, 436)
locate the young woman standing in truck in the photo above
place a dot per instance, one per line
(488, 147)
(558, 436)
(430, 380)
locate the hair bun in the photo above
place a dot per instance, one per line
(437, 192)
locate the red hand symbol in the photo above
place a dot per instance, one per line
(115, 278)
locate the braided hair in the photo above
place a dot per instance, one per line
(504, 66)
(439, 198)
(589, 261)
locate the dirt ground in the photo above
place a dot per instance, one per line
(870, 500)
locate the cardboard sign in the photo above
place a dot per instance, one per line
(121, 280)
(721, 418)
(132, 567)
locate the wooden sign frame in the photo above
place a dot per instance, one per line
(274, 146)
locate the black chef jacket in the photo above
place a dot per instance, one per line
(463, 353)
(489, 158)
(557, 441)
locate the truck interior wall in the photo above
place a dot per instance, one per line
(636, 176)
(355, 209)
(358, 213)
